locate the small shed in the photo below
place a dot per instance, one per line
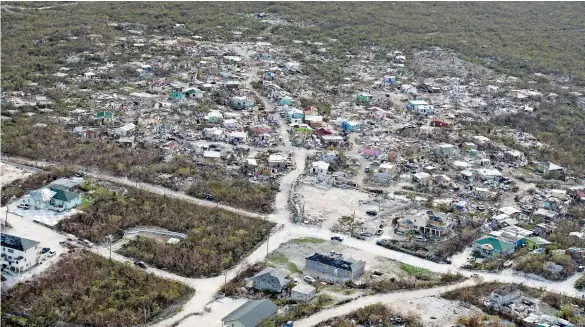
(303, 293)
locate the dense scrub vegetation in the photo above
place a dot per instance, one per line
(234, 287)
(216, 239)
(53, 143)
(558, 124)
(512, 37)
(371, 315)
(21, 187)
(89, 290)
(536, 264)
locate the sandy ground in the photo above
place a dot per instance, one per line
(219, 309)
(297, 252)
(12, 173)
(435, 311)
(331, 204)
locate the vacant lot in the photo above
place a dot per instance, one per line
(372, 314)
(86, 289)
(216, 239)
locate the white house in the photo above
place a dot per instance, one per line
(420, 107)
(320, 168)
(124, 130)
(231, 123)
(505, 295)
(277, 161)
(39, 199)
(238, 137)
(19, 254)
(488, 174)
(213, 133)
(422, 178)
(303, 293)
(88, 75)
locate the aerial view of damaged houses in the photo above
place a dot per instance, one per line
(280, 164)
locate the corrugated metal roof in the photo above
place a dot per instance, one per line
(252, 313)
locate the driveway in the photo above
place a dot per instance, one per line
(47, 217)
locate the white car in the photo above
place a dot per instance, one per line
(309, 279)
(24, 206)
(51, 253)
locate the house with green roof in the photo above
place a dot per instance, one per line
(104, 116)
(63, 199)
(489, 246)
(535, 242)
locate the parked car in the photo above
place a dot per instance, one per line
(380, 232)
(79, 174)
(52, 253)
(87, 243)
(208, 197)
(295, 281)
(371, 212)
(45, 250)
(358, 236)
(527, 302)
(24, 206)
(580, 269)
(140, 264)
(366, 234)
(309, 279)
(289, 324)
(338, 238)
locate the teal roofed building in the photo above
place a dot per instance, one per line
(104, 116)
(364, 97)
(63, 199)
(176, 95)
(488, 246)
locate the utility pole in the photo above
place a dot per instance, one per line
(352, 223)
(267, 243)
(110, 239)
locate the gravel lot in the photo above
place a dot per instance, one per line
(296, 252)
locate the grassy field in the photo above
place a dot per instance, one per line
(89, 290)
(216, 239)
